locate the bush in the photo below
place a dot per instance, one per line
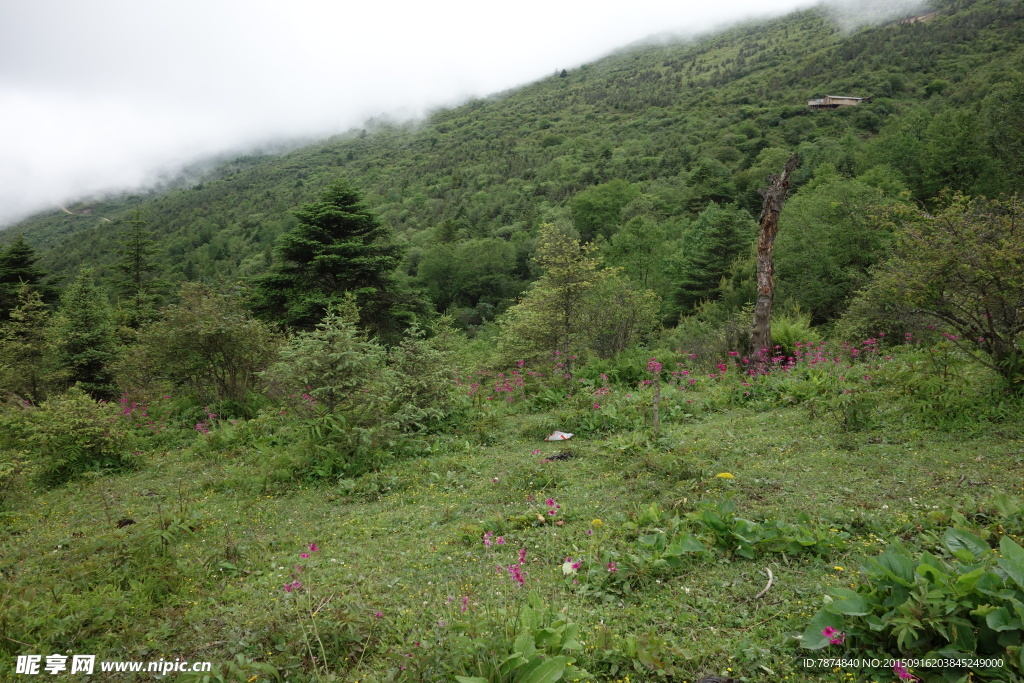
(208, 344)
(73, 433)
(964, 266)
(424, 374)
(353, 397)
(969, 606)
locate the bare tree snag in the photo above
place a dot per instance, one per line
(774, 197)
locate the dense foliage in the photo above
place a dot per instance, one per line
(295, 469)
(965, 266)
(653, 134)
(338, 247)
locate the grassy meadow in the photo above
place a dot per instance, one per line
(621, 554)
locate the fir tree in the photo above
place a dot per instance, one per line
(23, 347)
(82, 337)
(137, 272)
(17, 268)
(338, 246)
(717, 237)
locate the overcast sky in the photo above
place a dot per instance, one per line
(105, 95)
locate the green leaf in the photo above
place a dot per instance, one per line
(650, 661)
(964, 545)
(524, 645)
(812, 639)
(1012, 561)
(897, 567)
(470, 679)
(1002, 620)
(510, 664)
(685, 544)
(965, 584)
(962, 636)
(848, 602)
(933, 573)
(547, 671)
(569, 638)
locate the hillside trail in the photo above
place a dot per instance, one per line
(72, 213)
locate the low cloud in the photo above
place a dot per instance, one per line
(115, 94)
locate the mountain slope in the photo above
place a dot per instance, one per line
(684, 121)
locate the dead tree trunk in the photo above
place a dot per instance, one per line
(774, 197)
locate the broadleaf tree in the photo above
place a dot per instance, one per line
(964, 265)
(571, 308)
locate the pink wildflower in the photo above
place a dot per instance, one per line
(834, 635)
(516, 573)
(900, 670)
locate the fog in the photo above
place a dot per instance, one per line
(113, 95)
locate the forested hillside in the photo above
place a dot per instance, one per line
(653, 133)
(477, 398)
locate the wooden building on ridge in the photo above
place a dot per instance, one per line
(835, 101)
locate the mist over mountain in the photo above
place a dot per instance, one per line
(121, 96)
(681, 122)
(298, 409)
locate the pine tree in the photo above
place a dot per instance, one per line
(137, 272)
(716, 238)
(338, 246)
(17, 268)
(82, 338)
(23, 347)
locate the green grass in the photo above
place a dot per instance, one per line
(407, 542)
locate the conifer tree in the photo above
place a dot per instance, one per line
(575, 305)
(82, 337)
(338, 246)
(717, 237)
(23, 347)
(17, 268)
(137, 272)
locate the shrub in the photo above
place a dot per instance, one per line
(354, 397)
(969, 607)
(424, 377)
(208, 344)
(964, 266)
(73, 433)
(334, 366)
